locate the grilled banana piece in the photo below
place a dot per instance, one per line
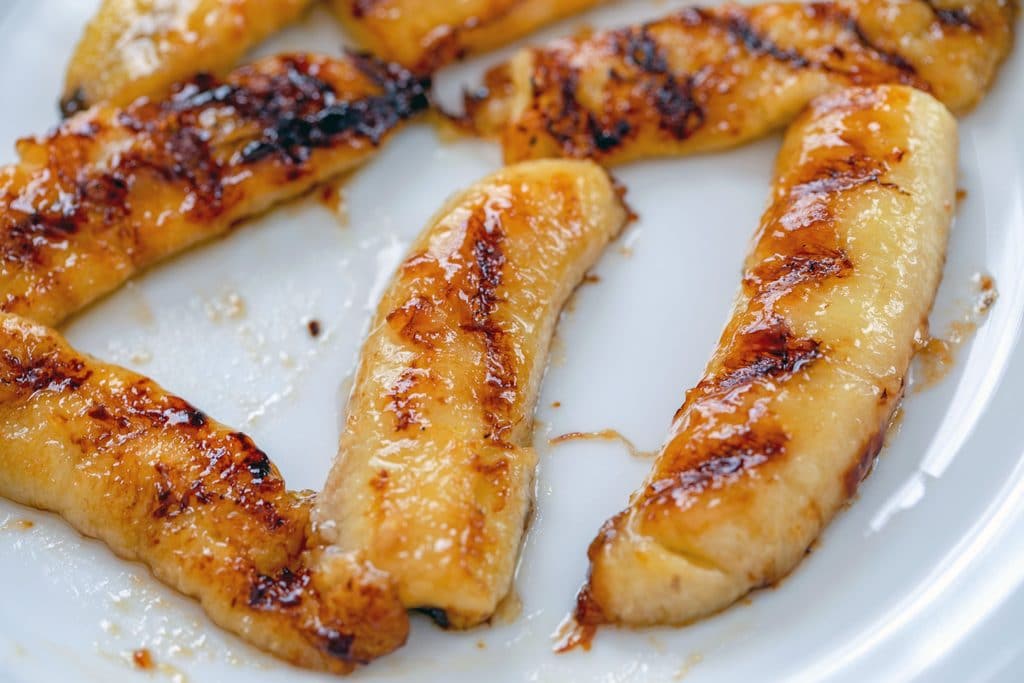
(426, 36)
(795, 402)
(434, 473)
(158, 481)
(707, 79)
(113, 191)
(136, 48)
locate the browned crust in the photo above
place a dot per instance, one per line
(468, 301)
(723, 433)
(181, 475)
(644, 93)
(271, 116)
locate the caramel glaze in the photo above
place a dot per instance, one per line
(709, 78)
(112, 191)
(427, 36)
(794, 405)
(435, 467)
(140, 48)
(159, 481)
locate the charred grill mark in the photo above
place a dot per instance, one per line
(736, 24)
(719, 460)
(810, 263)
(482, 283)
(284, 112)
(284, 591)
(640, 48)
(956, 17)
(294, 136)
(908, 74)
(49, 372)
(766, 351)
(466, 299)
(724, 431)
(740, 30)
(643, 89)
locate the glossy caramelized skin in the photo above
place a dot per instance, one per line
(158, 481)
(434, 473)
(113, 191)
(136, 48)
(793, 406)
(427, 35)
(706, 79)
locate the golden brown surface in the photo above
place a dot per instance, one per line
(793, 406)
(113, 191)
(427, 35)
(706, 79)
(158, 481)
(434, 473)
(136, 48)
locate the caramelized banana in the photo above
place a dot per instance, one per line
(427, 35)
(435, 468)
(136, 48)
(158, 481)
(794, 405)
(113, 191)
(707, 79)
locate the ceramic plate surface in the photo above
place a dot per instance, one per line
(922, 577)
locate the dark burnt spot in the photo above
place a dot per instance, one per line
(259, 466)
(167, 502)
(272, 593)
(181, 413)
(438, 615)
(73, 102)
(291, 132)
(337, 644)
(765, 351)
(957, 17)
(640, 48)
(49, 372)
(100, 413)
(606, 139)
(679, 113)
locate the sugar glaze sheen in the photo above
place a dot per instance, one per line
(928, 537)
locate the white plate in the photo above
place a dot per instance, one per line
(922, 577)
